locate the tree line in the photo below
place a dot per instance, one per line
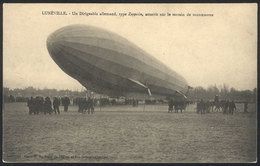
(224, 93)
(195, 94)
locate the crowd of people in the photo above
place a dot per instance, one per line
(86, 105)
(202, 107)
(45, 105)
(39, 105)
(179, 105)
(228, 107)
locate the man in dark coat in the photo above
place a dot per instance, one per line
(38, 104)
(81, 103)
(90, 105)
(56, 104)
(170, 104)
(30, 105)
(66, 103)
(201, 107)
(232, 107)
(47, 106)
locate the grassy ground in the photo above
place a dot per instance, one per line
(127, 134)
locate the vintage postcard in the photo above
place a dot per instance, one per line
(129, 83)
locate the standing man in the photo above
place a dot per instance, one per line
(201, 107)
(56, 104)
(47, 106)
(30, 105)
(232, 107)
(38, 104)
(81, 104)
(170, 104)
(66, 103)
(90, 106)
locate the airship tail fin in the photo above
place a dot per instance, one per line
(141, 84)
(181, 94)
(149, 92)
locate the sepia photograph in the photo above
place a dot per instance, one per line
(129, 83)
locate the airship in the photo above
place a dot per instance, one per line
(107, 63)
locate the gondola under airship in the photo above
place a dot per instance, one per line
(107, 63)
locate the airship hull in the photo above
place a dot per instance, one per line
(109, 64)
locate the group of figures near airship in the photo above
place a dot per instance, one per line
(206, 106)
(86, 105)
(228, 107)
(40, 105)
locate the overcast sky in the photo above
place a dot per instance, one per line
(204, 50)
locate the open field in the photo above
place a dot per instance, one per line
(127, 134)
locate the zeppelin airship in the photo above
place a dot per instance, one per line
(107, 63)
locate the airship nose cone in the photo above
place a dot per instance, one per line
(53, 47)
(49, 44)
(50, 40)
(61, 42)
